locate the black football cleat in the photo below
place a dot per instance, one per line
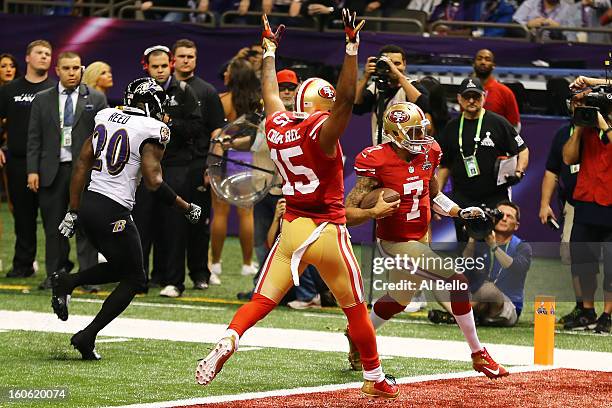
(59, 297)
(586, 319)
(85, 346)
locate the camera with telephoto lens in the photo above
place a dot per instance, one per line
(479, 228)
(382, 73)
(598, 100)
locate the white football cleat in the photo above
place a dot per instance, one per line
(210, 366)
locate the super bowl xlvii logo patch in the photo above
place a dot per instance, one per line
(119, 225)
(541, 309)
(427, 164)
(487, 141)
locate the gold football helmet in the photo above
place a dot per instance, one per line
(406, 125)
(315, 94)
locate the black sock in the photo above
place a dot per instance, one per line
(112, 307)
(590, 311)
(580, 305)
(96, 275)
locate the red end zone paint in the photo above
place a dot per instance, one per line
(552, 388)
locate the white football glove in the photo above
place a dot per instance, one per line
(471, 213)
(68, 224)
(193, 213)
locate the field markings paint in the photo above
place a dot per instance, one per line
(249, 348)
(448, 350)
(317, 389)
(342, 317)
(148, 304)
(113, 340)
(104, 294)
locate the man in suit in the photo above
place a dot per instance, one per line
(62, 118)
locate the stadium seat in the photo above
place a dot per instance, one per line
(417, 15)
(557, 89)
(520, 94)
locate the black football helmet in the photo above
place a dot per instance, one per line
(146, 94)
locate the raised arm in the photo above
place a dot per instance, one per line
(269, 85)
(340, 116)
(571, 149)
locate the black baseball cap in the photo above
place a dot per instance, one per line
(471, 85)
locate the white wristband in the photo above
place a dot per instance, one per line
(442, 204)
(269, 53)
(352, 48)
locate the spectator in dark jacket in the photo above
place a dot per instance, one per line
(158, 224)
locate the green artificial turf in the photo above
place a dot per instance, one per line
(138, 371)
(150, 370)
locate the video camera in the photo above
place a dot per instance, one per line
(479, 228)
(598, 100)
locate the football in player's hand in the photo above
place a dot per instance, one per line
(370, 200)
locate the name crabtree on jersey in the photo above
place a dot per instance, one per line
(313, 184)
(410, 179)
(117, 141)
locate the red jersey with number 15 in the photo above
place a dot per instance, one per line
(313, 183)
(410, 179)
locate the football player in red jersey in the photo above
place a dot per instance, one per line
(407, 165)
(306, 150)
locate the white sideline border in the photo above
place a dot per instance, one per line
(323, 388)
(150, 304)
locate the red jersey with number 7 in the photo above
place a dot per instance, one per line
(410, 179)
(313, 183)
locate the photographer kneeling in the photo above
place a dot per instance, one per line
(389, 86)
(497, 281)
(590, 146)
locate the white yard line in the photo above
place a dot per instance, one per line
(310, 390)
(449, 350)
(147, 304)
(113, 340)
(342, 317)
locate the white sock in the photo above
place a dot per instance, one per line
(377, 321)
(216, 268)
(376, 375)
(468, 327)
(234, 334)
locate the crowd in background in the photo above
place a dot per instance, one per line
(488, 127)
(531, 14)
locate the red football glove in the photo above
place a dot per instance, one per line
(350, 29)
(269, 39)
